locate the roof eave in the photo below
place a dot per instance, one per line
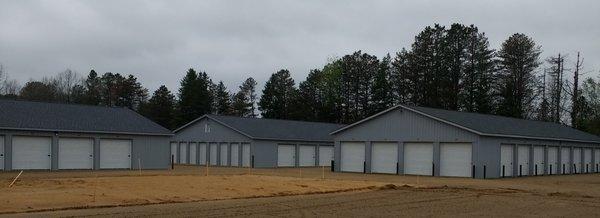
(456, 125)
(86, 131)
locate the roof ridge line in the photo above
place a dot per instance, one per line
(64, 103)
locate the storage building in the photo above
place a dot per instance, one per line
(425, 141)
(54, 136)
(243, 142)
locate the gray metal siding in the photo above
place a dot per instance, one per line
(153, 151)
(406, 126)
(218, 133)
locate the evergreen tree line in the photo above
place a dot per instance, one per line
(451, 68)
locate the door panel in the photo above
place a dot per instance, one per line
(31, 153)
(456, 159)
(307, 156)
(418, 158)
(286, 155)
(75, 153)
(353, 156)
(115, 154)
(506, 160)
(384, 157)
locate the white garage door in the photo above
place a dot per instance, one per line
(286, 155)
(213, 154)
(1, 152)
(577, 160)
(552, 160)
(456, 159)
(587, 158)
(384, 157)
(597, 160)
(174, 152)
(523, 160)
(353, 156)
(246, 155)
(31, 153)
(235, 153)
(538, 160)
(418, 158)
(193, 153)
(183, 154)
(115, 154)
(506, 160)
(307, 156)
(202, 153)
(75, 153)
(325, 155)
(224, 154)
(565, 160)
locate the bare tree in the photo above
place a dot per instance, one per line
(576, 101)
(557, 84)
(64, 83)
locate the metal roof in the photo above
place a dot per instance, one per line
(59, 117)
(493, 125)
(274, 129)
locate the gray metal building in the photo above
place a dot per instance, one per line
(243, 142)
(54, 136)
(426, 141)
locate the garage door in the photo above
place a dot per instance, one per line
(325, 155)
(286, 155)
(75, 153)
(418, 158)
(235, 153)
(246, 155)
(456, 159)
(506, 160)
(307, 156)
(202, 153)
(174, 152)
(224, 154)
(565, 160)
(384, 157)
(353, 156)
(115, 154)
(183, 154)
(213, 154)
(552, 160)
(576, 160)
(1, 152)
(523, 160)
(193, 153)
(538, 160)
(597, 160)
(587, 158)
(31, 153)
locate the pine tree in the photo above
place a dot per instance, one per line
(160, 108)
(357, 75)
(195, 97)
(244, 101)
(476, 92)
(518, 62)
(279, 98)
(222, 99)
(382, 94)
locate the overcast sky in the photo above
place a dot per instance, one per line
(157, 41)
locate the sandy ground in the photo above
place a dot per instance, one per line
(404, 202)
(538, 196)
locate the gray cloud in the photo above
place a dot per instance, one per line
(231, 40)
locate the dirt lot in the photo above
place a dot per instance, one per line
(350, 194)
